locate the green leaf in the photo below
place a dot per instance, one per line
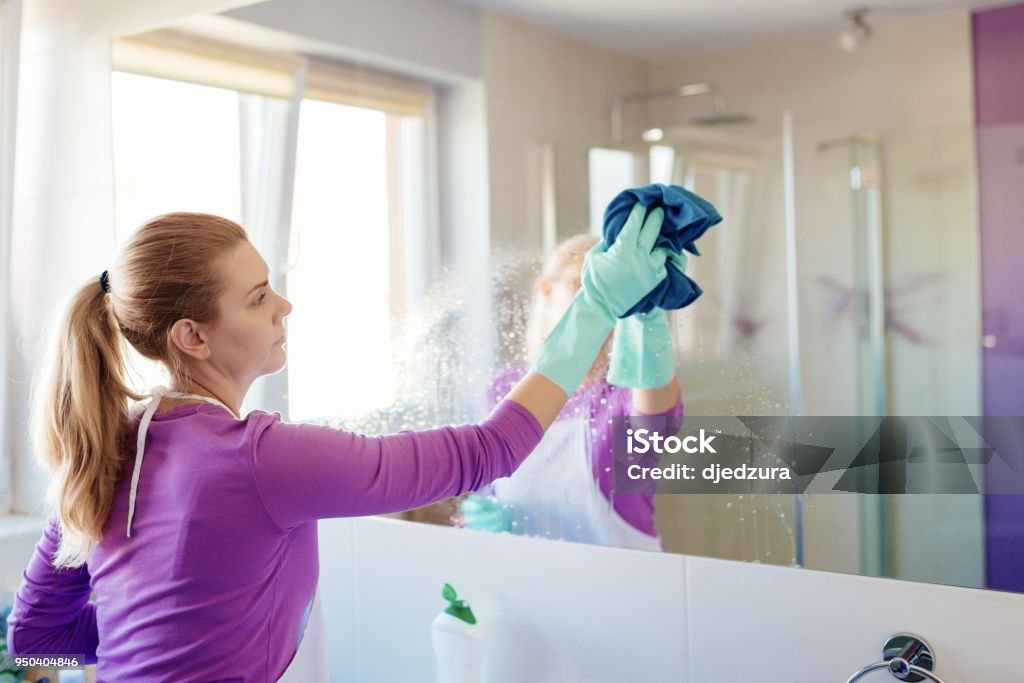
(448, 592)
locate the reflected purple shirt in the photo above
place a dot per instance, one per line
(599, 402)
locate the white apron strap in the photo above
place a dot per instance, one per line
(156, 393)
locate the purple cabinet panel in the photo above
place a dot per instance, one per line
(999, 108)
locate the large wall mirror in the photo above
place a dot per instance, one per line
(412, 190)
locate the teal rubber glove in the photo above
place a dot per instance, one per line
(484, 513)
(642, 356)
(613, 280)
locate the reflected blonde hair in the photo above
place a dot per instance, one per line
(565, 259)
(79, 415)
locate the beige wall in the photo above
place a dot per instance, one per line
(541, 89)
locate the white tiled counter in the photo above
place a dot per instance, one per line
(568, 612)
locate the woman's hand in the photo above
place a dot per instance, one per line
(484, 513)
(617, 278)
(613, 281)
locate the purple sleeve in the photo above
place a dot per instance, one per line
(307, 471)
(52, 614)
(636, 508)
(621, 405)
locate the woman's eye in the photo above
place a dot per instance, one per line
(262, 297)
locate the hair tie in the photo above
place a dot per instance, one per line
(105, 282)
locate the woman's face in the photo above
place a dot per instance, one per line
(247, 341)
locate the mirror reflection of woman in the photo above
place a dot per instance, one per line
(195, 526)
(566, 490)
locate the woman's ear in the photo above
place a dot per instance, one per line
(189, 339)
(544, 287)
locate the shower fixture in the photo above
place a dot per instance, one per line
(653, 135)
(857, 32)
(717, 115)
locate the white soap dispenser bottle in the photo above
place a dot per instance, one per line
(458, 642)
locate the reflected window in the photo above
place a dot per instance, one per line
(610, 171)
(661, 160)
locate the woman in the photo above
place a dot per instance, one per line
(567, 488)
(204, 562)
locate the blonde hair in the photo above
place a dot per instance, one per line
(79, 418)
(569, 254)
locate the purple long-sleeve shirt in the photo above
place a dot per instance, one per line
(600, 402)
(222, 561)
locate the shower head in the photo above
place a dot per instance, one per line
(717, 115)
(719, 119)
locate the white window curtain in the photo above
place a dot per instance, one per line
(269, 127)
(10, 31)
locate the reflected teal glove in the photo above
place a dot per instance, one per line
(613, 280)
(642, 356)
(484, 513)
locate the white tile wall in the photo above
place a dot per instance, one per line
(834, 624)
(567, 612)
(556, 611)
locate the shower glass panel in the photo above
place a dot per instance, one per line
(896, 308)
(866, 190)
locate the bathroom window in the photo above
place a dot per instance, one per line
(176, 148)
(326, 166)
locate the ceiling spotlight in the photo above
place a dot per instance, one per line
(653, 135)
(857, 32)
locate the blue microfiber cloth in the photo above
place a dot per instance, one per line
(687, 217)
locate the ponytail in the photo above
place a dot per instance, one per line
(169, 269)
(79, 416)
